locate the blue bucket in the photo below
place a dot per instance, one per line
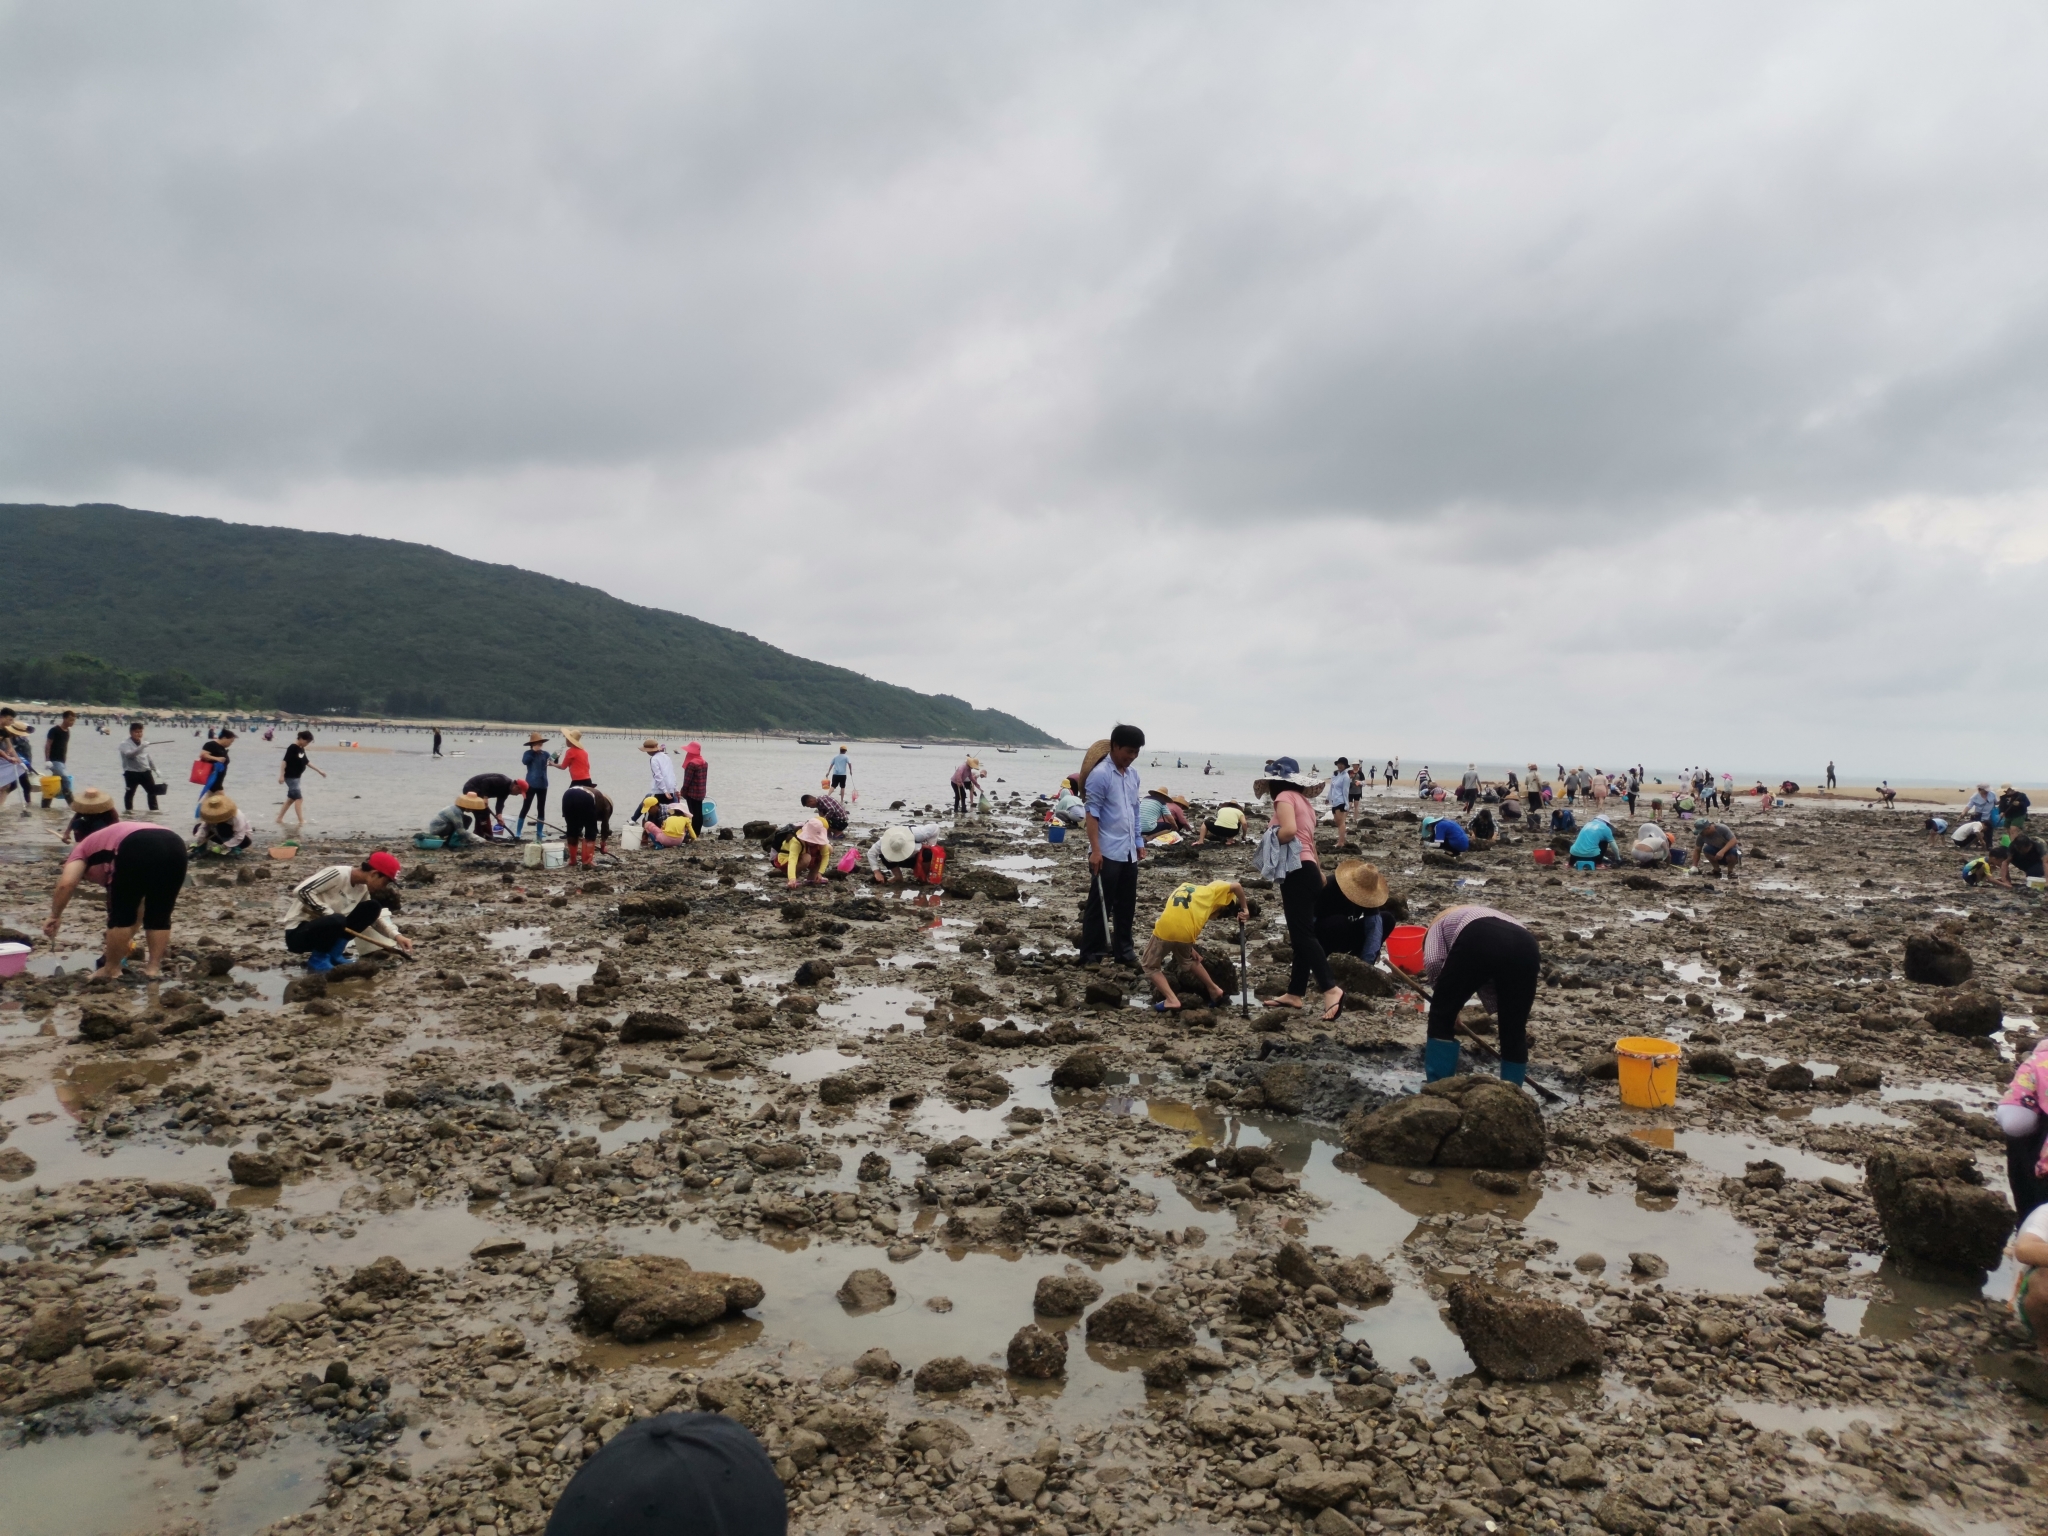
(1055, 833)
(710, 813)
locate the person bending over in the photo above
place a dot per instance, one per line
(1179, 929)
(1476, 950)
(1718, 848)
(1349, 919)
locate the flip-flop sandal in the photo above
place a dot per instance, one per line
(1274, 1002)
(1161, 1005)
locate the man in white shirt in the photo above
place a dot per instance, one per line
(338, 904)
(662, 771)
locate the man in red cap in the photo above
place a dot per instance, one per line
(326, 911)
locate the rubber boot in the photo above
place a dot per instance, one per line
(1439, 1060)
(339, 954)
(589, 854)
(519, 830)
(319, 960)
(1515, 1072)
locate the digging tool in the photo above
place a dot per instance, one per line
(1486, 1051)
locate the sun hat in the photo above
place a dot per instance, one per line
(1094, 755)
(1158, 794)
(675, 1472)
(382, 863)
(1362, 882)
(1180, 800)
(573, 737)
(896, 845)
(536, 738)
(974, 762)
(216, 807)
(93, 802)
(470, 802)
(650, 745)
(1285, 772)
(813, 831)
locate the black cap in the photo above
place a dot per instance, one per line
(695, 1472)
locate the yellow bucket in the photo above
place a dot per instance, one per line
(1648, 1069)
(52, 786)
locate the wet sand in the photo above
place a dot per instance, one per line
(493, 1117)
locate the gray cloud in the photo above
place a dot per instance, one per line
(1470, 301)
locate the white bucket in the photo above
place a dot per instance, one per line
(629, 835)
(531, 856)
(554, 855)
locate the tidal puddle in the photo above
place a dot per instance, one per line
(871, 1010)
(107, 1484)
(1730, 1154)
(1837, 1114)
(819, 1062)
(47, 1119)
(989, 1297)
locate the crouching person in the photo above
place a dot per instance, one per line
(340, 903)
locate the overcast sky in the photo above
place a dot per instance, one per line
(1576, 381)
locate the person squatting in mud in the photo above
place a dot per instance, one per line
(326, 913)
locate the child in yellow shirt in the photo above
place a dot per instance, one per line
(1188, 911)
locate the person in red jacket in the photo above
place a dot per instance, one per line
(696, 780)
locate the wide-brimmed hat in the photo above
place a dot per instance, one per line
(93, 802)
(1362, 883)
(974, 762)
(216, 807)
(1158, 794)
(1285, 772)
(536, 738)
(896, 845)
(813, 831)
(650, 745)
(573, 737)
(470, 802)
(1094, 755)
(1179, 800)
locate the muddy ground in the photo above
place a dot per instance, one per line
(975, 1245)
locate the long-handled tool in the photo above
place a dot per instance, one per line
(1487, 1052)
(1244, 975)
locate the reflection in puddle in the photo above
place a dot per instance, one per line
(1730, 1154)
(83, 1485)
(819, 1062)
(870, 1010)
(47, 1121)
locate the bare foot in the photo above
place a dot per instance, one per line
(1288, 1001)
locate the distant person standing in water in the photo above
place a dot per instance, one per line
(138, 768)
(839, 772)
(437, 741)
(696, 784)
(290, 772)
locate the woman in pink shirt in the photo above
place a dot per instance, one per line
(1295, 821)
(143, 869)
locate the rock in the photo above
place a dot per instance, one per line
(1764, 1174)
(1296, 1265)
(1773, 1521)
(1065, 1295)
(1321, 1490)
(1286, 1086)
(652, 1026)
(1935, 961)
(1496, 1182)
(1936, 1212)
(1712, 1061)
(874, 1168)
(1083, 1069)
(1036, 1354)
(1022, 1481)
(1513, 1337)
(1861, 1074)
(1136, 1321)
(1649, 1265)
(1459, 1122)
(1788, 1077)
(195, 1197)
(15, 1164)
(1589, 1263)
(67, 1383)
(948, 1373)
(258, 1170)
(505, 1342)
(1599, 1066)
(380, 1279)
(848, 1087)
(878, 1364)
(812, 972)
(776, 1156)
(1622, 1515)
(1260, 1297)
(866, 1290)
(99, 1023)
(738, 1399)
(1358, 1280)
(1578, 1469)
(849, 1428)
(54, 1329)
(642, 1295)
(1971, 1015)
(1656, 1179)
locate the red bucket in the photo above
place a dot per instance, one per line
(1404, 948)
(1544, 856)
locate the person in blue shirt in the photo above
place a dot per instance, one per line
(1110, 789)
(1595, 845)
(536, 762)
(1449, 836)
(840, 771)
(1340, 798)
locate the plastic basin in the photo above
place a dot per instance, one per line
(13, 959)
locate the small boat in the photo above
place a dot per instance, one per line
(1006, 749)
(813, 741)
(911, 746)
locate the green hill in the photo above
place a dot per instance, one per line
(109, 605)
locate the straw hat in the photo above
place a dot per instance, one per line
(1180, 800)
(650, 745)
(1362, 883)
(1158, 794)
(1286, 773)
(814, 832)
(974, 762)
(896, 845)
(1095, 755)
(469, 802)
(93, 802)
(573, 737)
(216, 807)
(537, 738)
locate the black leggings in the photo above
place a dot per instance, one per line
(146, 782)
(1499, 955)
(1298, 894)
(536, 793)
(324, 933)
(579, 815)
(959, 799)
(149, 871)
